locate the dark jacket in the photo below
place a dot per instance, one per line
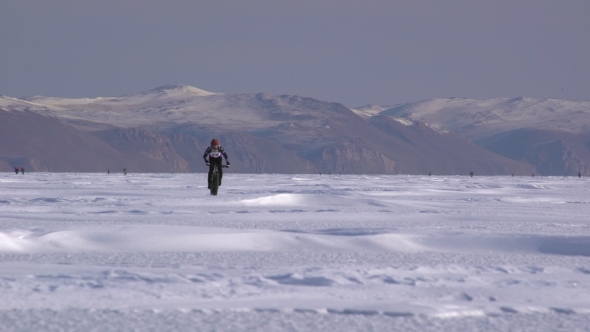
(216, 155)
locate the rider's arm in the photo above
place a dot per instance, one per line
(224, 154)
(206, 154)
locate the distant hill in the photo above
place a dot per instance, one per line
(550, 134)
(474, 118)
(44, 143)
(166, 130)
(553, 152)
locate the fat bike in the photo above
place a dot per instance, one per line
(215, 179)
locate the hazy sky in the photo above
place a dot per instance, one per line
(351, 51)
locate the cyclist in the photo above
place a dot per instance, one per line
(214, 152)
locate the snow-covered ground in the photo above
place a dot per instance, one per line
(155, 252)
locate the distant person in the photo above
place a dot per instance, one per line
(22, 170)
(124, 171)
(108, 171)
(16, 169)
(533, 174)
(214, 152)
(471, 173)
(579, 175)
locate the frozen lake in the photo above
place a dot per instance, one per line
(155, 252)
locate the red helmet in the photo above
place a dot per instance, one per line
(215, 141)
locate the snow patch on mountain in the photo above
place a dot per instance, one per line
(11, 103)
(370, 110)
(403, 121)
(172, 89)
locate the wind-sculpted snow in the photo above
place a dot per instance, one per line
(293, 252)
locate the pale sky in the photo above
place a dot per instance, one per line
(355, 52)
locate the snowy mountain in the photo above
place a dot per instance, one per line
(177, 104)
(475, 118)
(168, 127)
(551, 134)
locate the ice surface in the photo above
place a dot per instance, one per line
(293, 252)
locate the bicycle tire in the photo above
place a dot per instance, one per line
(214, 181)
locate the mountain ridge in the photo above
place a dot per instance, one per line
(476, 118)
(166, 127)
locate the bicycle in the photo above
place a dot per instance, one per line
(215, 179)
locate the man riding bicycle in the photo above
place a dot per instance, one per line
(214, 152)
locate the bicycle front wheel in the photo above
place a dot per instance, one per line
(214, 183)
